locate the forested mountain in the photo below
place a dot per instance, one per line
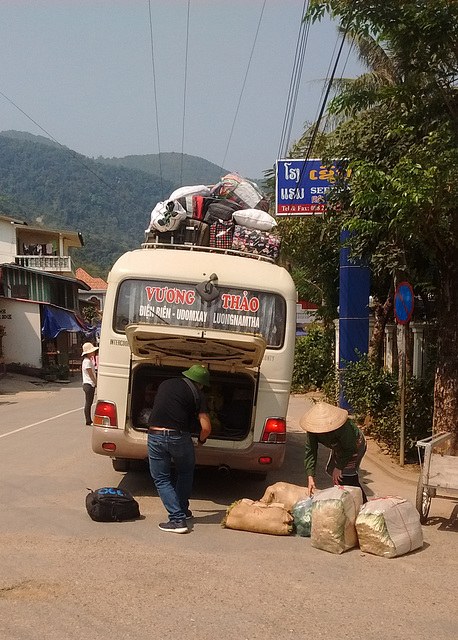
(186, 171)
(193, 170)
(24, 136)
(44, 183)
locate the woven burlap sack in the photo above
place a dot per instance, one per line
(285, 493)
(251, 515)
(334, 513)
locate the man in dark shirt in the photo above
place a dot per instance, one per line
(177, 403)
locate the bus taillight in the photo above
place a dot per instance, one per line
(105, 414)
(274, 431)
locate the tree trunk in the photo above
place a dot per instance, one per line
(381, 315)
(446, 378)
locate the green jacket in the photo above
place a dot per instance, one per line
(343, 441)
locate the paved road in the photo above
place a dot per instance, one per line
(63, 576)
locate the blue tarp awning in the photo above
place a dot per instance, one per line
(57, 320)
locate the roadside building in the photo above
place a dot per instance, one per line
(95, 295)
(39, 308)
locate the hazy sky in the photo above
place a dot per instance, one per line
(83, 71)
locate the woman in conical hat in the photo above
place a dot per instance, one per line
(330, 426)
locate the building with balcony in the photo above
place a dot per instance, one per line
(36, 247)
(39, 306)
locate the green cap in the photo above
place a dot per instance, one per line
(198, 373)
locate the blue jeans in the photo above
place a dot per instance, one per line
(163, 449)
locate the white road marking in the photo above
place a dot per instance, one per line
(34, 424)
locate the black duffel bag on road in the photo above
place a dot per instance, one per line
(111, 504)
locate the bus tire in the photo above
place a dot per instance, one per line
(121, 464)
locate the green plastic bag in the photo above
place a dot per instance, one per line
(302, 514)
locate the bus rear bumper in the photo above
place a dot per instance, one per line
(257, 456)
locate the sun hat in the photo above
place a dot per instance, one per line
(323, 418)
(198, 373)
(88, 348)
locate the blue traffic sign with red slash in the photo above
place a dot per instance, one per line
(403, 302)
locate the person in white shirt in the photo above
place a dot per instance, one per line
(89, 378)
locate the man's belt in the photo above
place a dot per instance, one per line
(162, 430)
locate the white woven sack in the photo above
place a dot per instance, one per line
(196, 190)
(254, 219)
(162, 220)
(248, 192)
(389, 527)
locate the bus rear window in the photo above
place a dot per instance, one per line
(179, 304)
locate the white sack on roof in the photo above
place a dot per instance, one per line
(255, 219)
(166, 216)
(196, 190)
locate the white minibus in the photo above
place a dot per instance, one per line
(171, 306)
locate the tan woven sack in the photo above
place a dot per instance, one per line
(285, 493)
(251, 515)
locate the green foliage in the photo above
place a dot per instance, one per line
(331, 387)
(401, 145)
(311, 246)
(369, 389)
(313, 362)
(90, 314)
(373, 393)
(56, 372)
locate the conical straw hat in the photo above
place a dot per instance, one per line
(323, 418)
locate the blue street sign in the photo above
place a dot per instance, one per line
(403, 303)
(302, 186)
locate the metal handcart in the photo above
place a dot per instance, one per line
(438, 472)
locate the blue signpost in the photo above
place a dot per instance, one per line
(403, 309)
(353, 313)
(403, 302)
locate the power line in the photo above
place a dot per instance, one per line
(243, 86)
(296, 74)
(321, 111)
(325, 85)
(325, 99)
(184, 91)
(336, 88)
(155, 97)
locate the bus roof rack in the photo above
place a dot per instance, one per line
(192, 247)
